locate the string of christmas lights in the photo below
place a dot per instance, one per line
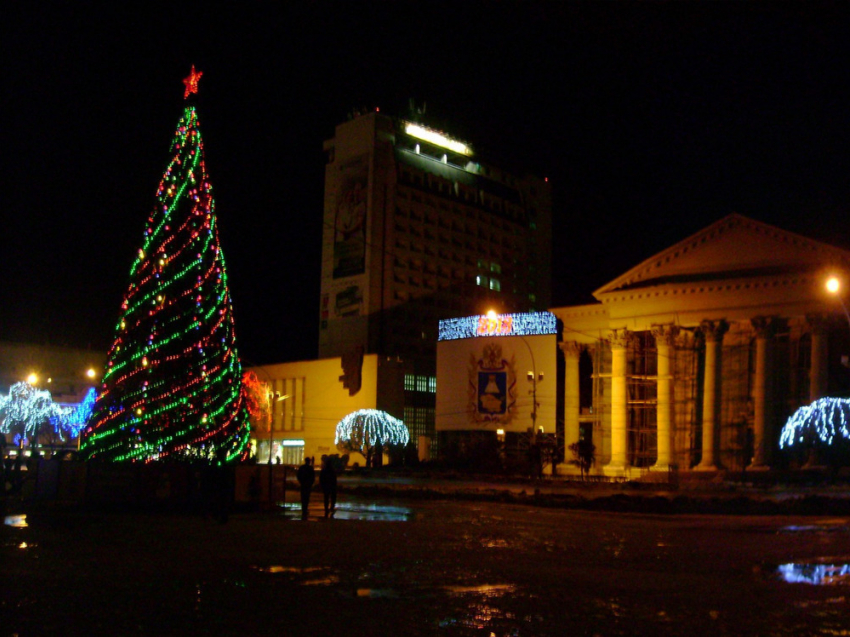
(368, 428)
(172, 386)
(520, 324)
(824, 421)
(75, 418)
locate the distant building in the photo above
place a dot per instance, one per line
(695, 358)
(311, 397)
(418, 228)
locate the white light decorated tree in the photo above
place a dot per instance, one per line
(825, 421)
(366, 430)
(29, 412)
(822, 427)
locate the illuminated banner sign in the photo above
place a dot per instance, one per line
(526, 324)
(436, 138)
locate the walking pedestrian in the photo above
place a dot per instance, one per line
(327, 479)
(306, 477)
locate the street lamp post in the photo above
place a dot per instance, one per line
(274, 397)
(532, 376)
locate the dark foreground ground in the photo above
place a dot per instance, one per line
(423, 567)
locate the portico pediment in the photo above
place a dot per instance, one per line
(734, 249)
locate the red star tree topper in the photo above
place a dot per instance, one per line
(191, 82)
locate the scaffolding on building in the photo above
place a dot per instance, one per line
(788, 389)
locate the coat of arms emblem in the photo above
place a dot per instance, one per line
(492, 386)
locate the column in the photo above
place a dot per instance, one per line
(712, 332)
(818, 374)
(665, 336)
(572, 351)
(764, 331)
(620, 340)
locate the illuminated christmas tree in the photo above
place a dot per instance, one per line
(172, 386)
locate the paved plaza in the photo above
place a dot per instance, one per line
(423, 567)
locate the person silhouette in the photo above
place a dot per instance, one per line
(327, 480)
(306, 477)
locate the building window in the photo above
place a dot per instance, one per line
(495, 267)
(481, 280)
(495, 285)
(423, 384)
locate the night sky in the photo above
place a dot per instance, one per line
(650, 120)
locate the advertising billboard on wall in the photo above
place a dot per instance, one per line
(350, 215)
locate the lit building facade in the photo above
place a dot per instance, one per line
(695, 358)
(497, 378)
(417, 228)
(309, 399)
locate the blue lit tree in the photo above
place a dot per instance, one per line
(822, 427)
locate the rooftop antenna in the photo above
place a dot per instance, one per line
(416, 112)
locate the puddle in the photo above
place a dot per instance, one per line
(16, 521)
(377, 593)
(488, 590)
(318, 575)
(288, 569)
(815, 574)
(355, 511)
(482, 610)
(836, 524)
(322, 581)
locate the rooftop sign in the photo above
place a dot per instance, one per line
(524, 324)
(436, 138)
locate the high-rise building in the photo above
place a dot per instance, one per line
(418, 228)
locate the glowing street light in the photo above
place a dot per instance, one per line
(90, 372)
(32, 379)
(833, 286)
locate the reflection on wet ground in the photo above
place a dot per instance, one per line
(816, 574)
(16, 521)
(384, 593)
(825, 524)
(356, 510)
(449, 568)
(287, 569)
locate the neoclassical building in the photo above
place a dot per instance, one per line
(695, 358)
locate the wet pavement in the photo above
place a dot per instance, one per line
(441, 567)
